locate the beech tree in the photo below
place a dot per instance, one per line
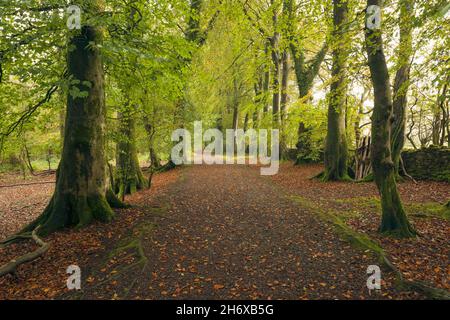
(137, 70)
(81, 188)
(129, 176)
(394, 219)
(402, 80)
(336, 141)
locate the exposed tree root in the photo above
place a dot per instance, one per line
(11, 267)
(325, 177)
(114, 201)
(15, 238)
(167, 167)
(134, 245)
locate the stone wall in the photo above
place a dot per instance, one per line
(432, 163)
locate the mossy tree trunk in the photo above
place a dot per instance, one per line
(283, 102)
(276, 61)
(80, 192)
(129, 177)
(336, 140)
(401, 82)
(155, 161)
(394, 219)
(266, 81)
(284, 84)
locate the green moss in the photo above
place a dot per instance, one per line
(114, 201)
(134, 242)
(429, 209)
(426, 210)
(371, 202)
(364, 242)
(334, 217)
(446, 211)
(100, 208)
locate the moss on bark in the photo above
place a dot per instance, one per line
(129, 177)
(394, 220)
(80, 192)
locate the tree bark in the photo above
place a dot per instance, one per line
(80, 192)
(155, 162)
(276, 60)
(401, 82)
(445, 115)
(129, 177)
(394, 219)
(284, 84)
(336, 140)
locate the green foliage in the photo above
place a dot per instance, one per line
(174, 63)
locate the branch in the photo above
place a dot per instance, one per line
(314, 64)
(27, 114)
(211, 24)
(252, 21)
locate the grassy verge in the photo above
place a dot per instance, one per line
(364, 242)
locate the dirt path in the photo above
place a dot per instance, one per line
(230, 234)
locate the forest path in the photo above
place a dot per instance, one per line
(229, 233)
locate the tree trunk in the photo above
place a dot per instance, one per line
(283, 103)
(336, 141)
(80, 192)
(284, 84)
(266, 82)
(445, 115)
(394, 219)
(246, 119)
(276, 87)
(276, 59)
(305, 79)
(401, 82)
(436, 124)
(360, 113)
(155, 162)
(129, 177)
(27, 157)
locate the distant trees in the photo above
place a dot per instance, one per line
(133, 76)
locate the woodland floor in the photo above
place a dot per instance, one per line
(225, 232)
